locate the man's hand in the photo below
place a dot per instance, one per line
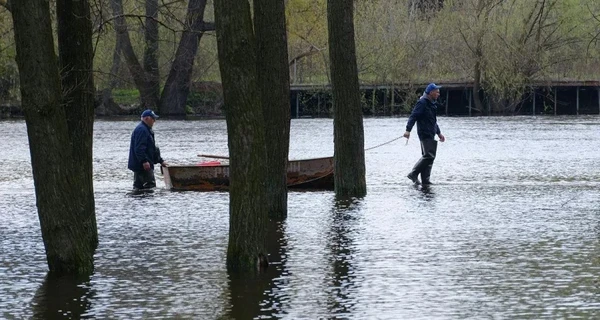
(442, 138)
(406, 134)
(164, 164)
(146, 166)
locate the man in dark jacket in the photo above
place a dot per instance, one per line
(143, 153)
(424, 114)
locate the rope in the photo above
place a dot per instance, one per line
(331, 171)
(379, 145)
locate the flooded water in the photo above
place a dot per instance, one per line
(510, 230)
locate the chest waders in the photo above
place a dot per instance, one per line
(424, 165)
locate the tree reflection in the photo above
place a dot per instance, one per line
(259, 294)
(341, 282)
(63, 297)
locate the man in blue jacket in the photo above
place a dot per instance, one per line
(424, 114)
(143, 153)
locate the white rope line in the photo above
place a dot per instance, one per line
(379, 145)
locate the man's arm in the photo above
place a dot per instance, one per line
(159, 158)
(415, 115)
(439, 133)
(140, 146)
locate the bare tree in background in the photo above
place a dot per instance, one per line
(146, 77)
(177, 87)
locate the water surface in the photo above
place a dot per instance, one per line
(510, 230)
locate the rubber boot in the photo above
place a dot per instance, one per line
(428, 149)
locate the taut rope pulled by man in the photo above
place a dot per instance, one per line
(379, 145)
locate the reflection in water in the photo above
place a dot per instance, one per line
(62, 297)
(426, 192)
(259, 295)
(510, 231)
(341, 280)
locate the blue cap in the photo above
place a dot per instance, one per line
(430, 87)
(149, 113)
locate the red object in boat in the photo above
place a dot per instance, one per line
(210, 163)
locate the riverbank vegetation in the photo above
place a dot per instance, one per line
(499, 46)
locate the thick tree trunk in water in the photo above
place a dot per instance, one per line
(64, 222)
(274, 84)
(76, 57)
(177, 87)
(151, 52)
(349, 154)
(148, 95)
(248, 214)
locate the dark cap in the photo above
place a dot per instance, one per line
(430, 87)
(149, 113)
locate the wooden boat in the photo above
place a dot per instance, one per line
(306, 174)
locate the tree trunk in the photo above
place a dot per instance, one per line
(148, 95)
(177, 86)
(63, 221)
(114, 70)
(349, 153)
(477, 86)
(76, 55)
(248, 214)
(477, 71)
(274, 84)
(151, 52)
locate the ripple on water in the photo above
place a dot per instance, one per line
(510, 230)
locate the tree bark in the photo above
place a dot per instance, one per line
(148, 95)
(248, 214)
(64, 222)
(76, 56)
(151, 51)
(477, 71)
(349, 153)
(477, 86)
(177, 86)
(274, 84)
(114, 70)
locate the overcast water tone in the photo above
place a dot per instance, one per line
(511, 229)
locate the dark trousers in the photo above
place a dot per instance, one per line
(424, 165)
(144, 179)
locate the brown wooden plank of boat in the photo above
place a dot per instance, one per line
(302, 174)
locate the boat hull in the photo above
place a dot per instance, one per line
(306, 174)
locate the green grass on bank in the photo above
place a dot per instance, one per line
(126, 96)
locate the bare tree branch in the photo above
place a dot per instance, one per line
(311, 50)
(206, 26)
(596, 37)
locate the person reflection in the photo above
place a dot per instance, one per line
(259, 295)
(342, 280)
(62, 297)
(426, 192)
